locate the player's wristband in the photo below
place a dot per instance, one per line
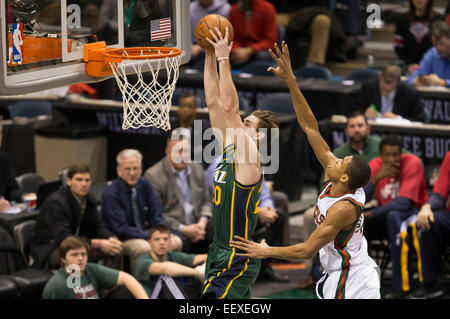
(223, 58)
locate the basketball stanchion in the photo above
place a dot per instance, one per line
(144, 103)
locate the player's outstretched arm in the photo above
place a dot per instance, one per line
(305, 116)
(340, 216)
(246, 151)
(229, 100)
(212, 99)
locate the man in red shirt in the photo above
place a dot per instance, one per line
(398, 181)
(434, 221)
(255, 30)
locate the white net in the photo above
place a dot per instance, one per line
(147, 104)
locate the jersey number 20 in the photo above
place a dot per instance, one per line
(217, 195)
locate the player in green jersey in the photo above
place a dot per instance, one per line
(237, 178)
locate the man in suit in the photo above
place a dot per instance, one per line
(387, 97)
(187, 124)
(180, 185)
(72, 211)
(130, 206)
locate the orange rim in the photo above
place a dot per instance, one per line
(139, 53)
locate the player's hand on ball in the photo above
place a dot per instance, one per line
(220, 43)
(252, 249)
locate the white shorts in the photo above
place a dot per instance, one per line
(362, 282)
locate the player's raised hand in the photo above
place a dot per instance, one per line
(283, 60)
(252, 249)
(220, 43)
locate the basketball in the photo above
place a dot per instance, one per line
(207, 23)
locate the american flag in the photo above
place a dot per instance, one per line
(160, 29)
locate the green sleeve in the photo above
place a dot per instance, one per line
(141, 268)
(106, 277)
(181, 258)
(56, 288)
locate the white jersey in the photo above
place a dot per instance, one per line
(349, 248)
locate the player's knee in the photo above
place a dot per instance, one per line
(322, 21)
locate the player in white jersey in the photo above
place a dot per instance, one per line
(349, 271)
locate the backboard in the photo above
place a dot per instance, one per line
(41, 42)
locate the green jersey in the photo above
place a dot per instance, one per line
(235, 208)
(93, 278)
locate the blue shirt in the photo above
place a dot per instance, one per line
(433, 63)
(117, 212)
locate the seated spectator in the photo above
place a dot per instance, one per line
(187, 125)
(434, 68)
(389, 98)
(199, 9)
(398, 180)
(413, 32)
(180, 185)
(130, 205)
(79, 279)
(255, 31)
(360, 142)
(314, 22)
(72, 211)
(273, 219)
(434, 221)
(164, 266)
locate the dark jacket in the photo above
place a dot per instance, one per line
(407, 101)
(60, 217)
(9, 188)
(118, 214)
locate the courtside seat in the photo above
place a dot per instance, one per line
(277, 102)
(258, 68)
(30, 182)
(8, 288)
(30, 109)
(30, 282)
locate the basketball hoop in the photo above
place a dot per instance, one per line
(144, 104)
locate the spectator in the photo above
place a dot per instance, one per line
(434, 221)
(199, 9)
(255, 31)
(180, 185)
(413, 32)
(72, 211)
(387, 97)
(360, 142)
(352, 19)
(398, 180)
(185, 125)
(314, 23)
(434, 68)
(130, 205)
(9, 189)
(161, 263)
(273, 219)
(88, 279)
